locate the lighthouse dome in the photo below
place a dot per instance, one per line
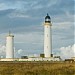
(47, 18)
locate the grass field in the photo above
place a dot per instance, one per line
(37, 68)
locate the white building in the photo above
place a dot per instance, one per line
(31, 59)
(10, 46)
(47, 37)
(73, 58)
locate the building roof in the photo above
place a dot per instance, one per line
(47, 17)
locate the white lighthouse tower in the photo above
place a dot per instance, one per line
(10, 46)
(47, 37)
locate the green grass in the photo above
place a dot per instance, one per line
(37, 68)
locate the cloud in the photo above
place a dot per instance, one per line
(18, 14)
(52, 3)
(67, 52)
(2, 50)
(32, 37)
(30, 41)
(62, 25)
(20, 51)
(4, 13)
(7, 6)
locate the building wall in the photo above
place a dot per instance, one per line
(10, 46)
(47, 40)
(73, 58)
(32, 59)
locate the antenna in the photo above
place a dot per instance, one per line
(9, 32)
(47, 14)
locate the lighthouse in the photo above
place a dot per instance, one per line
(47, 37)
(10, 46)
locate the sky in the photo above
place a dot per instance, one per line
(25, 19)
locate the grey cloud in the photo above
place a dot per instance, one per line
(5, 12)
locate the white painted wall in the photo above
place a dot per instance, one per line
(31, 59)
(10, 46)
(47, 40)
